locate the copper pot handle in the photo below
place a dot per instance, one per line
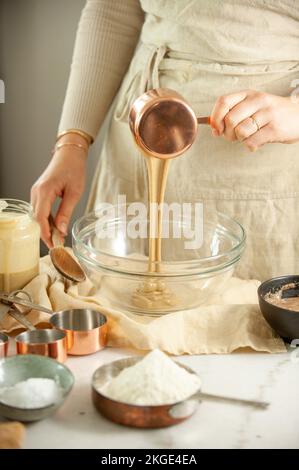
(204, 120)
(188, 406)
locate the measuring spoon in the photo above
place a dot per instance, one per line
(63, 262)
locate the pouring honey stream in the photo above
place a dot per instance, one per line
(164, 126)
(154, 294)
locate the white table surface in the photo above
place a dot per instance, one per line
(274, 378)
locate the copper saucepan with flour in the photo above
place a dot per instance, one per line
(157, 416)
(163, 124)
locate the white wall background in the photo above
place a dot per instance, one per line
(36, 43)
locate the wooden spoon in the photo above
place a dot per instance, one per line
(64, 263)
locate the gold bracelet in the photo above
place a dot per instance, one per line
(85, 136)
(74, 144)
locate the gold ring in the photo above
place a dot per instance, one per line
(255, 122)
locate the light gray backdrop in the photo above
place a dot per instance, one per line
(36, 43)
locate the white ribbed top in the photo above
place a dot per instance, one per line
(107, 35)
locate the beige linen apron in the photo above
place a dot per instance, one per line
(204, 49)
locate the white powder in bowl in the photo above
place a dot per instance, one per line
(155, 380)
(31, 393)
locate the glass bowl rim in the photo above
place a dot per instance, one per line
(233, 253)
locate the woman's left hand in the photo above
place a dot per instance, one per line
(256, 118)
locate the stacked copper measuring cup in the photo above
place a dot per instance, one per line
(73, 332)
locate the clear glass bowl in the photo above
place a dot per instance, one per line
(118, 264)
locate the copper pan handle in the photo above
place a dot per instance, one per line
(232, 400)
(204, 120)
(187, 407)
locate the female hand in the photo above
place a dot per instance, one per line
(65, 178)
(256, 118)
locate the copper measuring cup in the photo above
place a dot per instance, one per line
(85, 329)
(45, 342)
(163, 124)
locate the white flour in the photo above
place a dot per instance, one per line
(31, 393)
(155, 380)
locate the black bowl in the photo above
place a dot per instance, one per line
(284, 322)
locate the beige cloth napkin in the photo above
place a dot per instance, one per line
(232, 320)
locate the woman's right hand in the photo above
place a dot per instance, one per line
(64, 177)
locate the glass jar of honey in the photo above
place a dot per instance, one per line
(19, 244)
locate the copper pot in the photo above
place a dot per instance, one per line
(157, 416)
(139, 416)
(163, 124)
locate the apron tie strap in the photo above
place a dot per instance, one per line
(148, 78)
